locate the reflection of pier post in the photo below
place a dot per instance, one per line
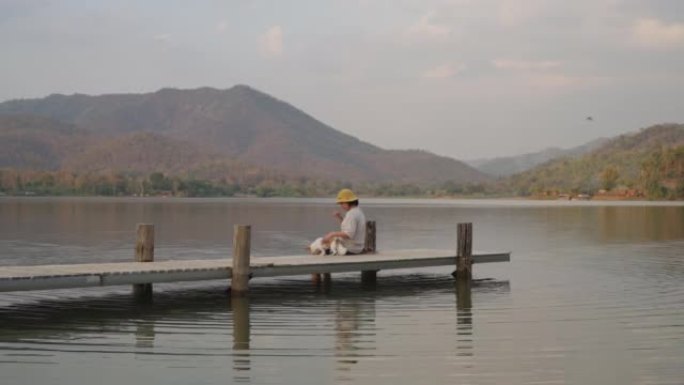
(354, 320)
(241, 337)
(144, 334)
(464, 317)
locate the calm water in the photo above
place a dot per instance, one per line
(594, 295)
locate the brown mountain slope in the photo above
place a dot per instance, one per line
(34, 142)
(249, 126)
(140, 152)
(144, 152)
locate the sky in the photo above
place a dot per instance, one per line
(462, 78)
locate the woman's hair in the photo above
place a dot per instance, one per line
(354, 203)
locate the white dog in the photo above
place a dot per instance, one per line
(336, 247)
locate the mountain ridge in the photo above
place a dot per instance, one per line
(514, 164)
(241, 124)
(649, 161)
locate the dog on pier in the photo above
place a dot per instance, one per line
(336, 247)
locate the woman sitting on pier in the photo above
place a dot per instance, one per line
(352, 223)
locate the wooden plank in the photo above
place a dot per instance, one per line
(404, 259)
(19, 278)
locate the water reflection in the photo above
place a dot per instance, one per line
(144, 334)
(241, 338)
(465, 312)
(44, 231)
(592, 282)
(640, 223)
(464, 318)
(271, 328)
(354, 333)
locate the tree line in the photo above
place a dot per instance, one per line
(660, 175)
(656, 174)
(66, 183)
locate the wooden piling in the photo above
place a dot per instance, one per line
(241, 255)
(463, 294)
(369, 276)
(369, 243)
(144, 252)
(464, 252)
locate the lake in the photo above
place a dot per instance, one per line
(594, 294)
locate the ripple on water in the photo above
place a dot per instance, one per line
(360, 331)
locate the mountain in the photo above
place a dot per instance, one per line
(34, 142)
(650, 161)
(137, 152)
(239, 124)
(509, 165)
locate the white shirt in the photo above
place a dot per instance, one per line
(354, 225)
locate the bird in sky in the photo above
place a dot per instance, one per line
(589, 119)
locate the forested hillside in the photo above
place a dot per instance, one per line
(648, 164)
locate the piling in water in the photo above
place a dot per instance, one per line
(241, 255)
(144, 252)
(464, 252)
(369, 277)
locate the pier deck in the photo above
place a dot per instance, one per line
(21, 278)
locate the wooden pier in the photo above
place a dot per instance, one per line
(240, 269)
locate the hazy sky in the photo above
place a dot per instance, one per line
(463, 78)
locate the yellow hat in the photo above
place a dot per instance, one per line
(346, 195)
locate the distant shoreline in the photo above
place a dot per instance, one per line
(326, 199)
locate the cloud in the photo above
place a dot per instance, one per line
(426, 29)
(653, 33)
(555, 81)
(271, 41)
(443, 71)
(525, 65)
(162, 37)
(513, 13)
(564, 82)
(164, 41)
(221, 26)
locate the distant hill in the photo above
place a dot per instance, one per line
(137, 152)
(650, 161)
(35, 142)
(185, 129)
(510, 165)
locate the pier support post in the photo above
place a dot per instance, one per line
(241, 254)
(369, 277)
(464, 253)
(144, 252)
